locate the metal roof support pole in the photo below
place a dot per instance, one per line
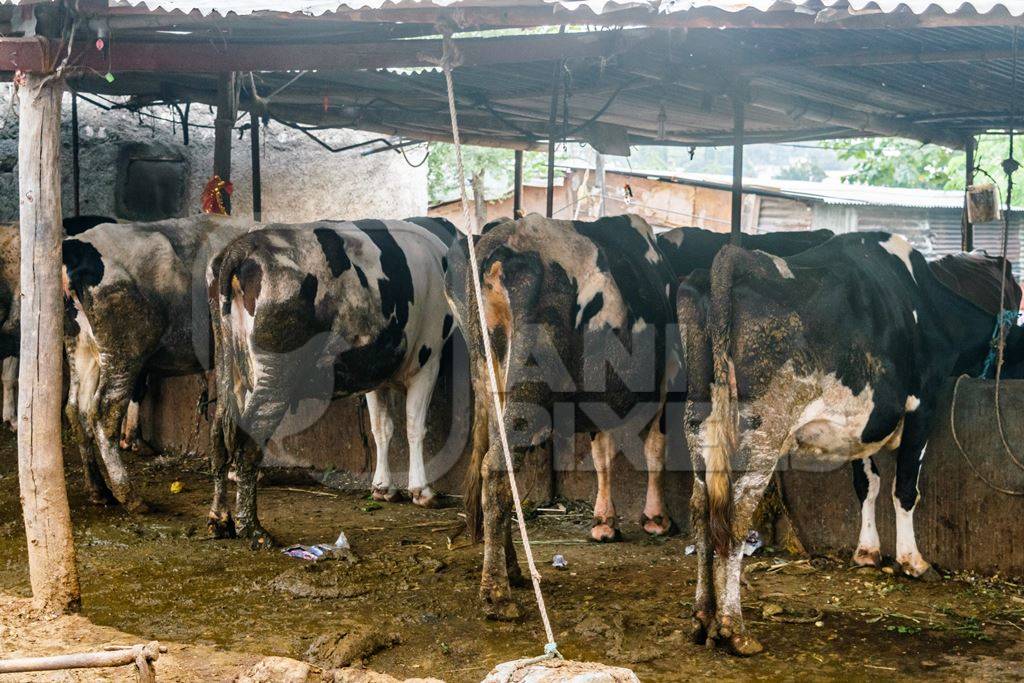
(599, 182)
(550, 206)
(517, 186)
(227, 107)
(257, 181)
(738, 111)
(966, 227)
(44, 497)
(75, 168)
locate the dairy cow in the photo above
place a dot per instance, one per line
(578, 315)
(305, 314)
(830, 355)
(10, 305)
(131, 312)
(690, 249)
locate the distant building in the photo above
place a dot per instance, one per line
(930, 219)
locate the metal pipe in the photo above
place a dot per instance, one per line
(966, 227)
(76, 174)
(517, 189)
(257, 184)
(738, 112)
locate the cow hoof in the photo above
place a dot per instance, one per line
(743, 645)
(221, 528)
(387, 494)
(503, 610)
(424, 497)
(659, 525)
(699, 628)
(927, 574)
(867, 557)
(261, 540)
(13, 426)
(517, 580)
(605, 530)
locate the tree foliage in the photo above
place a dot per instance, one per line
(498, 166)
(896, 162)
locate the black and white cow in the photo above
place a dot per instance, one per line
(132, 312)
(578, 315)
(10, 305)
(828, 356)
(306, 314)
(690, 249)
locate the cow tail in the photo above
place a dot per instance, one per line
(722, 426)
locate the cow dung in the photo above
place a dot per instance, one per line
(352, 643)
(324, 580)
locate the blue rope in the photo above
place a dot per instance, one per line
(1008, 318)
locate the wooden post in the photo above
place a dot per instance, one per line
(552, 118)
(479, 199)
(75, 168)
(257, 183)
(517, 186)
(966, 227)
(51, 550)
(599, 182)
(737, 165)
(227, 107)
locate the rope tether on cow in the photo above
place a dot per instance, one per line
(1010, 165)
(449, 60)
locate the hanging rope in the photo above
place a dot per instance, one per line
(449, 60)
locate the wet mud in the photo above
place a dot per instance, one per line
(404, 601)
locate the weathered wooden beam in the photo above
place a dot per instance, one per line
(44, 498)
(215, 56)
(878, 58)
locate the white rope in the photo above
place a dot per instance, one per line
(448, 60)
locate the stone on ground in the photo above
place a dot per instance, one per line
(559, 671)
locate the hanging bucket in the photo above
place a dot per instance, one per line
(983, 204)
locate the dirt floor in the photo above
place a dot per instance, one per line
(406, 602)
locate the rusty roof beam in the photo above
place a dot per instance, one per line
(36, 55)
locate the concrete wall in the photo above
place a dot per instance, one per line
(301, 180)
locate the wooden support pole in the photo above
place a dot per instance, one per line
(76, 171)
(738, 111)
(223, 125)
(599, 182)
(257, 182)
(517, 186)
(44, 498)
(966, 227)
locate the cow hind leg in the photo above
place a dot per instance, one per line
(495, 587)
(728, 626)
(219, 521)
(654, 519)
(704, 600)
(866, 483)
(10, 382)
(130, 428)
(247, 464)
(417, 401)
(905, 495)
(114, 395)
(382, 426)
(83, 370)
(605, 527)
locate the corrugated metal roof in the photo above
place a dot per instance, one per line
(316, 8)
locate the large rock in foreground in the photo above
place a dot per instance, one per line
(559, 671)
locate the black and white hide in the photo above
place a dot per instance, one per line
(826, 357)
(311, 313)
(584, 342)
(132, 310)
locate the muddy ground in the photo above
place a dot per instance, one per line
(406, 603)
